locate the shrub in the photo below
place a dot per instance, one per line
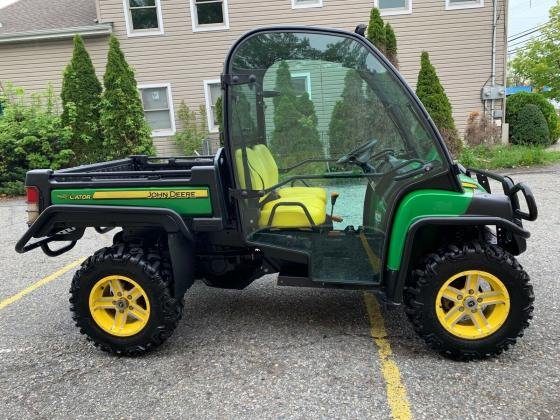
(432, 94)
(193, 129)
(125, 129)
(481, 130)
(295, 136)
(81, 97)
(349, 126)
(531, 127)
(376, 30)
(516, 102)
(31, 137)
(391, 45)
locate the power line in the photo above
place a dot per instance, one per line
(525, 41)
(526, 32)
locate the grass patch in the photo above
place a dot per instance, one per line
(485, 157)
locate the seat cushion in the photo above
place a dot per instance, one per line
(319, 193)
(293, 216)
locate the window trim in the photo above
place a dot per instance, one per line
(392, 12)
(295, 6)
(307, 76)
(212, 126)
(167, 86)
(449, 6)
(131, 32)
(213, 26)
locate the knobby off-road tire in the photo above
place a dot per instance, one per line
(144, 273)
(439, 268)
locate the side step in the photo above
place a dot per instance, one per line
(291, 281)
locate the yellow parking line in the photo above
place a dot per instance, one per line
(396, 392)
(42, 282)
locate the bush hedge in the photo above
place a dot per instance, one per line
(31, 137)
(516, 103)
(531, 127)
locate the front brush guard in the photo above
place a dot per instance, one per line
(510, 189)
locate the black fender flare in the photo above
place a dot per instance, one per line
(395, 280)
(70, 221)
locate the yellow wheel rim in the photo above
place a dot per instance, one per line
(472, 304)
(119, 306)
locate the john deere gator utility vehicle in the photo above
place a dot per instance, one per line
(332, 175)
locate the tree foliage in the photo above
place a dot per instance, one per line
(193, 129)
(295, 136)
(530, 127)
(31, 137)
(516, 103)
(125, 129)
(539, 60)
(376, 30)
(432, 94)
(81, 97)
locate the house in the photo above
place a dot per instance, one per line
(177, 47)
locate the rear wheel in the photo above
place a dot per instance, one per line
(470, 302)
(120, 299)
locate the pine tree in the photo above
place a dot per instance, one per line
(432, 94)
(81, 99)
(391, 45)
(295, 136)
(349, 125)
(376, 30)
(125, 129)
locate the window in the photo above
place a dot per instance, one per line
(143, 17)
(303, 4)
(394, 7)
(209, 15)
(212, 91)
(158, 108)
(301, 82)
(463, 4)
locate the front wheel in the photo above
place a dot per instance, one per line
(120, 299)
(471, 302)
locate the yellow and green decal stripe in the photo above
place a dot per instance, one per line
(192, 201)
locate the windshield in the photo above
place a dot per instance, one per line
(314, 98)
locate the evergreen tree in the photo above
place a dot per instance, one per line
(376, 30)
(391, 45)
(349, 125)
(432, 94)
(81, 96)
(295, 136)
(125, 129)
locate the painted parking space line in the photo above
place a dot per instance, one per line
(14, 298)
(397, 396)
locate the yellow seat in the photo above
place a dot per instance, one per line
(271, 177)
(285, 216)
(293, 216)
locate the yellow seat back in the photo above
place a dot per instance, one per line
(268, 165)
(258, 181)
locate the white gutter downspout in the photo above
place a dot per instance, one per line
(494, 30)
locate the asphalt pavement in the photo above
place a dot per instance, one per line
(268, 351)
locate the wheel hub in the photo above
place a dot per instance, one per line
(472, 304)
(119, 306)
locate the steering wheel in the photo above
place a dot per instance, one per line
(359, 155)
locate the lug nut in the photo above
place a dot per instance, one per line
(129, 297)
(119, 294)
(479, 300)
(461, 308)
(460, 297)
(473, 311)
(114, 302)
(131, 308)
(471, 292)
